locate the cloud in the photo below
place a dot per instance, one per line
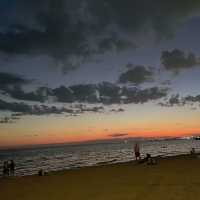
(40, 94)
(82, 95)
(136, 75)
(176, 100)
(26, 109)
(118, 135)
(84, 92)
(135, 95)
(19, 110)
(117, 110)
(166, 83)
(10, 119)
(63, 94)
(6, 120)
(108, 93)
(194, 99)
(177, 60)
(75, 30)
(8, 80)
(105, 93)
(83, 108)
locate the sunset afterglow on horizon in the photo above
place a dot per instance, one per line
(49, 130)
(79, 71)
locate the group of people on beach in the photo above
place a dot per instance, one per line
(9, 168)
(148, 159)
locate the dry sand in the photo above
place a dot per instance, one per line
(172, 178)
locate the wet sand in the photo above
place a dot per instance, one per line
(172, 178)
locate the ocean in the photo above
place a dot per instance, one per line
(59, 157)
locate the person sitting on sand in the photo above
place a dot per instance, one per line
(192, 152)
(41, 172)
(148, 157)
(150, 160)
(137, 151)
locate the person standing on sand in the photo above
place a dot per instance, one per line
(137, 151)
(5, 169)
(12, 168)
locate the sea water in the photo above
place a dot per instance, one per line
(71, 156)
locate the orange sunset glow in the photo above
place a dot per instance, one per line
(77, 74)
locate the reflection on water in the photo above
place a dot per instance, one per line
(53, 158)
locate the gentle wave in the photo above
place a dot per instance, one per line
(61, 157)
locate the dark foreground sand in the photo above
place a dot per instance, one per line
(173, 178)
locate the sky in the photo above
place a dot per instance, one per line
(73, 71)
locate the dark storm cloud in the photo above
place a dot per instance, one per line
(14, 107)
(84, 92)
(75, 93)
(40, 94)
(19, 110)
(108, 93)
(63, 94)
(81, 28)
(177, 60)
(105, 93)
(47, 30)
(113, 94)
(8, 79)
(136, 75)
(137, 96)
(176, 100)
(117, 135)
(26, 109)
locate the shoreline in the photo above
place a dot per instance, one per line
(174, 177)
(102, 164)
(29, 162)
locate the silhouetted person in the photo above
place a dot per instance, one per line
(40, 172)
(192, 152)
(148, 157)
(5, 168)
(12, 168)
(150, 160)
(137, 151)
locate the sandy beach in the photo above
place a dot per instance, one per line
(172, 178)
